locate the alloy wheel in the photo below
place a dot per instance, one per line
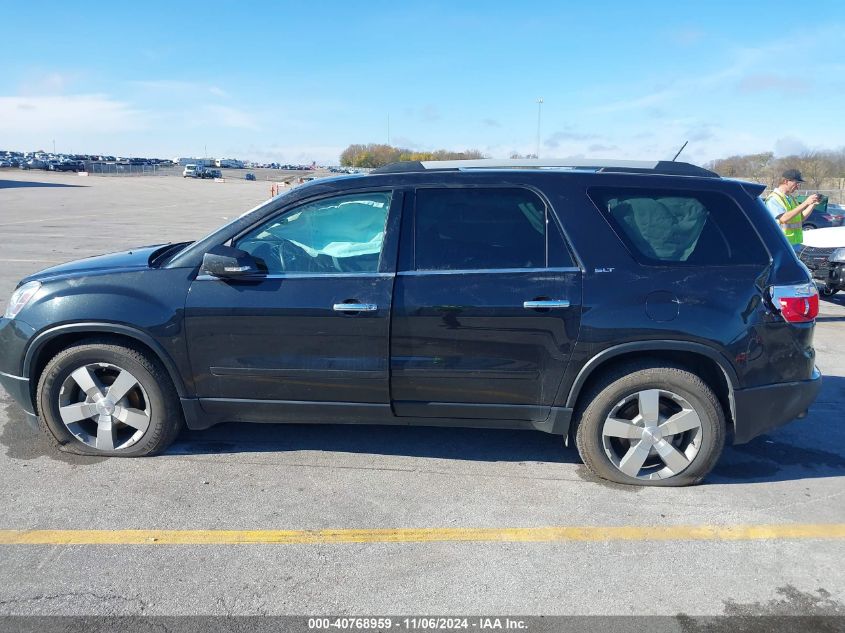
(104, 406)
(652, 434)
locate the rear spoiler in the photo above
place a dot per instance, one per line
(753, 189)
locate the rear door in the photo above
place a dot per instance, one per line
(486, 307)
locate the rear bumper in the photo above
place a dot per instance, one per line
(761, 409)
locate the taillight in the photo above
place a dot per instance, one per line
(796, 304)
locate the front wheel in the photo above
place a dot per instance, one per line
(101, 398)
(827, 291)
(651, 426)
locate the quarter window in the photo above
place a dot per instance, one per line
(680, 227)
(479, 228)
(334, 235)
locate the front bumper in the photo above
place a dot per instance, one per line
(762, 409)
(19, 389)
(836, 277)
(14, 336)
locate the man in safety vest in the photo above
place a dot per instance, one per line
(786, 210)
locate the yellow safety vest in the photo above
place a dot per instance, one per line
(793, 231)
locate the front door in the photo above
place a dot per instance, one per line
(487, 306)
(314, 330)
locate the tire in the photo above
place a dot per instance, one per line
(143, 421)
(613, 436)
(808, 227)
(827, 291)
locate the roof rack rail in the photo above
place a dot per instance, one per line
(657, 167)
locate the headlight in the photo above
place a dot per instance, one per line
(20, 298)
(838, 256)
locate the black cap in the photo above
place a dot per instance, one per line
(793, 174)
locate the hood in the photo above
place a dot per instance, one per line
(134, 259)
(833, 237)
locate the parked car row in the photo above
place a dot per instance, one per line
(17, 159)
(10, 158)
(46, 165)
(198, 171)
(826, 216)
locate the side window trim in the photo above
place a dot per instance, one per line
(304, 275)
(485, 271)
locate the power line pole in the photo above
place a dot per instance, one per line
(539, 106)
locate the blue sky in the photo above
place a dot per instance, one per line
(301, 81)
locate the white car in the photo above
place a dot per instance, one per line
(190, 171)
(823, 252)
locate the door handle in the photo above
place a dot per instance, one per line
(547, 304)
(354, 307)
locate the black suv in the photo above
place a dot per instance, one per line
(646, 311)
(67, 165)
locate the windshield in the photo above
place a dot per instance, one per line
(244, 219)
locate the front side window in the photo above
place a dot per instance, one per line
(343, 234)
(680, 227)
(478, 229)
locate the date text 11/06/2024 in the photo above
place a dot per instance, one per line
(421, 623)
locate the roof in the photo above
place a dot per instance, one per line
(662, 167)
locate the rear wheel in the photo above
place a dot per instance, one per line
(100, 398)
(652, 426)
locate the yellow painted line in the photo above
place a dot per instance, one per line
(425, 535)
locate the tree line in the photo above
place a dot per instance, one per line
(815, 167)
(378, 155)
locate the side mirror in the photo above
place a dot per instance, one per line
(230, 263)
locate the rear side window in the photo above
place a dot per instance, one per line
(662, 226)
(479, 228)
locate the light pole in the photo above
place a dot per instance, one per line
(539, 106)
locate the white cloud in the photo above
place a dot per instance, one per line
(95, 114)
(789, 146)
(644, 101)
(744, 60)
(297, 154)
(785, 84)
(429, 113)
(229, 117)
(176, 86)
(686, 36)
(599, 148)
(52, 83)
(557, 138)
(404, 141)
